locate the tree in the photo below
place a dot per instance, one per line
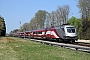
(24, 27)
(74, 21)
(33, 24)
(2, 27)
(44, 19)
(40, 18)
(84, 6)
(58, 17)
(36, 22)
(77, 23)
(14, 32)
(62, 14)
(50, 19)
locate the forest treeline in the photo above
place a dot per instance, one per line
(2, 26)
(44, 19)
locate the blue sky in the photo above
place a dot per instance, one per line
(14, 11)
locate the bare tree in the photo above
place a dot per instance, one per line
(62, 14)
(58, 17)
(48, 20)
(51, 19)
(84, 6)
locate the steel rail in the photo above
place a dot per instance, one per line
(71, 46)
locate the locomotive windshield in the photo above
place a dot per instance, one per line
(70, 29)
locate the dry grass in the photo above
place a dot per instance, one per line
(10, 39)
(6, 39)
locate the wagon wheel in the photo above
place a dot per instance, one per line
(60, 40)
(72, 41)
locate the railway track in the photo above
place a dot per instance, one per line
(76, 43)
(77, 46)
(82, 44)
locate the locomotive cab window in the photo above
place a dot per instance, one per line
(70, 29)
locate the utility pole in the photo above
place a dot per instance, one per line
(20, 23)
(24, 32)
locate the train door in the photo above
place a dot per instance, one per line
(45, 36)
(47, 33)
(62, 32)
(50, 35)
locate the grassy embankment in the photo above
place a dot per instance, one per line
(20, 49)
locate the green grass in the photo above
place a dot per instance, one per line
(20, 49)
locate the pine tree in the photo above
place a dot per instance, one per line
(2, 27)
